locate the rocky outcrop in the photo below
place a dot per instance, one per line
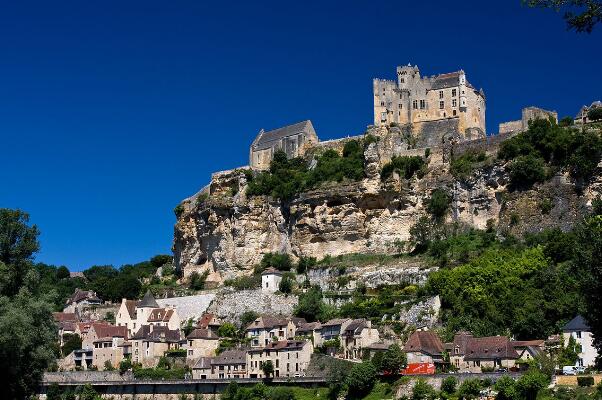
(227, 233)
(229, 305)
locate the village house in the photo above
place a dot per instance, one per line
(112, 349)
(81, 301)
(151, 342)
(424, 347)
(357, 335)
(99, 330)
(332, 329)
(201, 342)
(475, 354)
(270, 280)
(230, 364)
(266, 329)
(529, 349)
(65, 323)
(309, 331)
(135, 314)
(581, 332)
(289, 358)
(209, 321)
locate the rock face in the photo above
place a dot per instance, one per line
(227, 232)
(229, 305)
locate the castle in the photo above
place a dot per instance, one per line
(435, 109)
(422, 101)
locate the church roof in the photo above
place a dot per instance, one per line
(266, 139)
(148, 301)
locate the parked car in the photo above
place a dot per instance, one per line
(502, 370)
(580, 369)
(569, 370)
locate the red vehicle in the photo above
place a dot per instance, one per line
(419, 369)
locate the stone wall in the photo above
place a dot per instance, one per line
(229, 305)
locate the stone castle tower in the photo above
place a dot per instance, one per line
(422, 101)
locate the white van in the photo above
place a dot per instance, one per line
(569, 370)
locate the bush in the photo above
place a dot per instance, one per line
(546, 206)
(462, 166)
(438, 204)
(197, 281)
(178, 210)
(71, 341)
(526, 170)
(566, 121)
(469, 389)
(125, 365)
(244, 282)
(448, 385)
(108, 366)
(305, 263)
(286, 285)
(595, 114)
(361, 379)
(506, 388)
(423, 391)
(585, 380)
(279, 261)
(405, 166)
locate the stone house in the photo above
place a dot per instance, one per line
(290, 358)
(581, 117)
(151, 342)
(424, 101)
(135, 314)
(112, 349)
(209, 321)
(528, 114)
(357, 335)
(65, 323)
(529, 349)
(473, 354)
(99, 330)
(309, 331)
(81, 301)
(332, 329)
(266, 329)
(424, 347)
(201, 342)
(581, 332)
(293, 139)
(270, 280)
(230, 364)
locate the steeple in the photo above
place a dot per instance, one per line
(148, 301)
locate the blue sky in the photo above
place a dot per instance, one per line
(112, 112)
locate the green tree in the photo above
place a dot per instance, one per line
(393, 359)
(420, 234)
(588, 254)
(580, 15)
(25, 352)
(469, 389)
(108, 366)
(526, 170)
(286, 285)
(361, 379)
(71, 341)
(197, 281)
(247, 317)
(227, 330)
(125, 365)
(448, 385)
(438, 204)
(595, 114)
(62, 272)
(305, 263)
(423, 391)
(506, 388)
(311, 306)
(530, 384)
(268, 368)
(281, 393)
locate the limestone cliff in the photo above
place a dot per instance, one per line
(224, 231)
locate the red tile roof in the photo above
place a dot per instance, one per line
(108, 330)
(64, 317)
(160, 315)
(490, 347)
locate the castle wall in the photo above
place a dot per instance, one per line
(511, 126)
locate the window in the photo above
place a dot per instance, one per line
(440, 94)
(578, 335)
(441, 105)
(422, 104)
(400, 95)
(403, 80)
(454, 103)
(382, 103)
(453, 92)
(400, 106)
(415, 104)
(454, 111)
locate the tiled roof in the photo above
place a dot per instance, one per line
(202, 333)
(107, 330)
(461, 340)
(207, 320)
(308, 327)
(377, 346)
(160, 315)
(298, 321)
(490, 347)
(356, 326)
(426, 342)
(335, 322)
(266, 139)
(446, 80)
(527, 343)
(230, 357)
(67, 326)
(64, 317)
(157, 334)
(131, 305)
(148, 301)
(267, 322)
(81, 295)
(203, 363)
(576, 324)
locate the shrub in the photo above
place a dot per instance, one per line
(178, 210)
(267, 367)
(469, 389)
(566, 121)
(526, 170)
(108, 366)
(125, 365)
(585, 380)
(449, 384)
(595, 114)
(247, 317)
(423, 391)
(546, 206)
(279, 261)
(197, 281)
(305, 263)
(71, 341)
(227, 330)
(244, 282)
(404, 166)
(438, 204)
(529, 385)
(462, 166)
(506, 388)
(286, 285)
(361, 379)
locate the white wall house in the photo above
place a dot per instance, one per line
(270, 280)
(578, 329)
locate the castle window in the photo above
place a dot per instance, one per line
(400, 95)
(440, 94)
(441, 105)
(400, 106)
(453, 92)
(454, 111)
(415, 104)
(454, 103)
(422, 104)
(403, 80)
